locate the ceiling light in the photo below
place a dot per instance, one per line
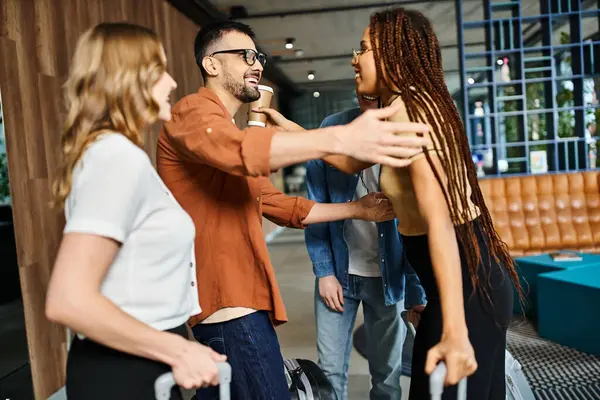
(311, 75)
(471, 81)
(316, 94)
(289, 43)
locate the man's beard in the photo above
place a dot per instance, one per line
(243, 92)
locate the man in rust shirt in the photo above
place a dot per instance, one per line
(219, 175)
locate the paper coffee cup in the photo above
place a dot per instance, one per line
(260, 119)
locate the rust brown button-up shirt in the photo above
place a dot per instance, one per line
(219, 175)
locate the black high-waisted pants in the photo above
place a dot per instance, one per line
(97, 372)
(487, 323)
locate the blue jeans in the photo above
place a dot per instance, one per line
(251, 346)
(385, 333)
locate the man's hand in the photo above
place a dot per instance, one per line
(370, 139)
(274, 118)
(331, 292)
(414, 314)
(376, 207)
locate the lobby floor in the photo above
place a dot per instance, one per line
(298, 336)
(553, 371)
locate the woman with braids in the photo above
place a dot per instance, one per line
(446, 228)
(124, 275)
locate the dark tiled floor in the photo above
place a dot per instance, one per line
(15, 374)
(17, 385)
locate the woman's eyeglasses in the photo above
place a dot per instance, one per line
(250, 55)
(357, 53)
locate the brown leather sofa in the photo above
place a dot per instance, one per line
(541, 213)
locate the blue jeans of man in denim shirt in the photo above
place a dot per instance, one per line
(383, 298)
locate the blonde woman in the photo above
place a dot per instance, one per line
(124, 277)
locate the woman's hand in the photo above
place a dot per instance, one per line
(456, 351)
(376, 207)
(196, 366)
(276, 119)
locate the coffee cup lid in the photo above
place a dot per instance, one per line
(265, 88)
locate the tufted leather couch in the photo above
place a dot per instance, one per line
(542, 213)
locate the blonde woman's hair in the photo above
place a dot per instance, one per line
(109, 88)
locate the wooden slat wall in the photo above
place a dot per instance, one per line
(37, 39)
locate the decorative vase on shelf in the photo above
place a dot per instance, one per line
(505, 71)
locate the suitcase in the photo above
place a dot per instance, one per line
(165, 382)
(517, 387)
(306, 381)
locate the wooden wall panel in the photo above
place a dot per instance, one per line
(37, 40)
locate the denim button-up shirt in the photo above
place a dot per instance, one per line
(325, 242)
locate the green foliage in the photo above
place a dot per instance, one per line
(535, 91)
(4, 187)
(511, 129)
(565, 98)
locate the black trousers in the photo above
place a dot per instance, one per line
(97, 372)
(487, 322)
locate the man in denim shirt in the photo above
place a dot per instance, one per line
(357, 261)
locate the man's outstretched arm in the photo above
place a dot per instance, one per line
(298, 212)
(204, 134)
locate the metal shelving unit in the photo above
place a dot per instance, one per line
(518, 78)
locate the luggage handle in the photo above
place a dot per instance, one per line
(438, 376)
(165, 382)
(436, 383)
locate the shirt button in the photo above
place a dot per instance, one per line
(383, 260)
(347, 201)
(191, 265)
(258, 199)
(193, 283)
(208, 130)
(381, 235)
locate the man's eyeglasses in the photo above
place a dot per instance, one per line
(250, 55)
